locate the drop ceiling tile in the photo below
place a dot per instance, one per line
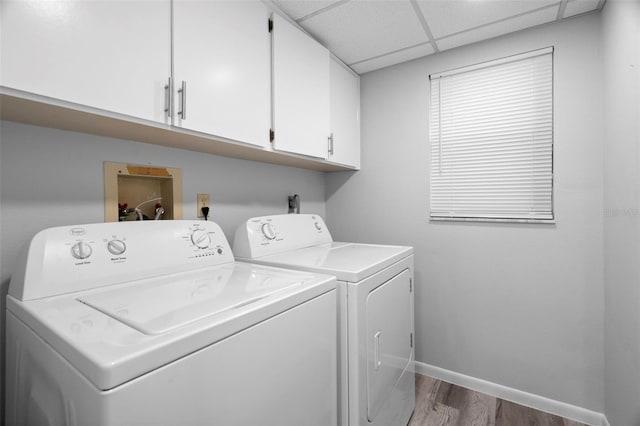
(297, 9)
(393, 58)
(497, 29)
(363, 29)
(576, 7)
(446, 17)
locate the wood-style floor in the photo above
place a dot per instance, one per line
(442, 404)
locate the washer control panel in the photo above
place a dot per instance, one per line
(261, 236)
(66, 259)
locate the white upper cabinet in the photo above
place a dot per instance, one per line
(344, 147)
(300, 91)
(112, 55)
(208, 73)
(221, 56)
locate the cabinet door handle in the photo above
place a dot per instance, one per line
(167, 99)
(183, 100)
(330, 140)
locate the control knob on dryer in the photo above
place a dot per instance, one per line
(268, 231)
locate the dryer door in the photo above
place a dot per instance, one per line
(388, 339)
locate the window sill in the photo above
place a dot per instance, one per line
(492, 220)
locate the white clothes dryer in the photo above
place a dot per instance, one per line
(375, 310)
(154, 323)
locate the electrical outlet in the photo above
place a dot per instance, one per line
(203, 201)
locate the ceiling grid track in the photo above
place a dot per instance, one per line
(562, 9)
(425, 26)
(389, 53)
(498, 21)
(323, 10)
(371, 34)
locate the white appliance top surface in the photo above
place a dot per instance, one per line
(164, 304)
(350, 262)
(116, 333)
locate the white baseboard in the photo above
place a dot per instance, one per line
(541, 403)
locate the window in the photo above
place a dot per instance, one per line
(492, 140)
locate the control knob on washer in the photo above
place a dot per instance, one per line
(81, 250)
(200, 238)
(268, 231)
(116, 247)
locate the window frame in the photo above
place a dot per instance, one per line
(459, 216)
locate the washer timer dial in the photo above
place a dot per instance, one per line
(200, 238)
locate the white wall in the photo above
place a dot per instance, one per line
(621, 47)
(52, 178)
(517, 305)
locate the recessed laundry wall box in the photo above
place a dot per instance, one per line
(135, 192)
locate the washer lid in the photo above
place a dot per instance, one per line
(114, 334)
(171, 302)
(350, 262)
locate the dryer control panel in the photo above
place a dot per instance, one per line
(73, 258)
(265, 235)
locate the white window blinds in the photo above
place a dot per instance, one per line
(492, 140)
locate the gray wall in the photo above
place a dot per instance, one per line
(52, 178)
(517, 305)
(621, 47)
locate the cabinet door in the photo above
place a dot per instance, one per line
(112, 55)
(345, 116)
(300, 91)
(221, 52)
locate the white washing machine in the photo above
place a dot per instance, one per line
(375, 307)
(154, 323)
